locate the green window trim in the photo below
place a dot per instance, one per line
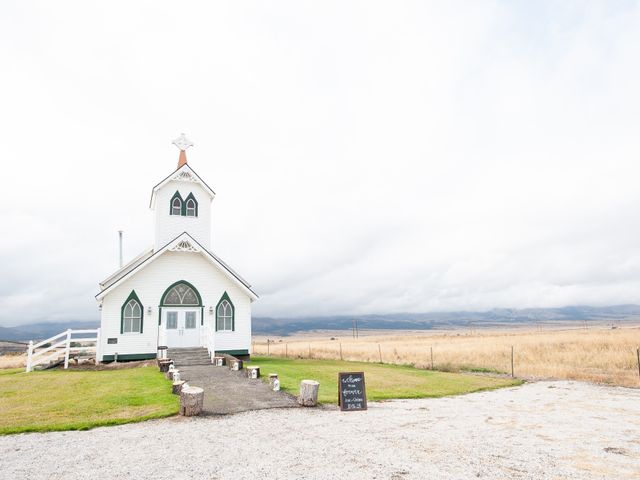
(195, 290)
(231, 352)
(129, 357)
(225, 296)
(132, 296)
(184, 205)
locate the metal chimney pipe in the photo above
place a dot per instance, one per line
(120, 235)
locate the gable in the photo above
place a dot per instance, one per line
(185, 175)
(186, 244)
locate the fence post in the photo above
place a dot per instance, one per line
(309, 350)
(97, 346)
(286, 350)
(340, 351)
(380, 353)
(431, 357)
(67, 349)
(267, 347)
(511, 361)
(638, 355)
(30, 356)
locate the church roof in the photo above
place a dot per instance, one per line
(126, 268)
(182, 243)
(182, 173)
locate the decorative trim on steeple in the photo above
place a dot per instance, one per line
(184, 176)
(184, 246)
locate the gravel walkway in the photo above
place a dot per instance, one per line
(226, 391)
(545, 430)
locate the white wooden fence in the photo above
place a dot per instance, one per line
(60, 345)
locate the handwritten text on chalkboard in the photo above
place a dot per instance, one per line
(352, 393)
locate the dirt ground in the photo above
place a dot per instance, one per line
(544, 430)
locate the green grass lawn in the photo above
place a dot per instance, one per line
(78, 400)
(382, 381)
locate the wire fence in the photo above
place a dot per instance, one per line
(607, 362)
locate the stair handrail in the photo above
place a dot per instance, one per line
(210, 342)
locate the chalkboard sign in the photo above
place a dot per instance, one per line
(352, 393)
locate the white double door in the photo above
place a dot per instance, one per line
(182, 327)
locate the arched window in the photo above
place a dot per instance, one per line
(176, 206)
(191, 205)
(181, 293)
(131, 315)
(224, 314)
(191, 208)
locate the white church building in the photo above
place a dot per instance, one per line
(177, 293)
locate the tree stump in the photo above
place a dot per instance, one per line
(176, 375)
(177, 387)
(272, 378)
(308, 393)
(164, 364)
(191, 400)
(253, 372)
(170, 373)
(219, 361)
(235, 364)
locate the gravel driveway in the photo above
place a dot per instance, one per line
(541, 430)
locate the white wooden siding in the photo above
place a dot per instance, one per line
(168, 227)
(151, 282)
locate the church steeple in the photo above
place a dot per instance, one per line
(182, 203)
(182, 143)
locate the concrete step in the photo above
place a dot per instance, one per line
(189, 356)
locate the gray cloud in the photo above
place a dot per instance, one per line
(368, 157)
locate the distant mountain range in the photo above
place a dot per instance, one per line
(444, 320)
(40, 331)
(391, 321)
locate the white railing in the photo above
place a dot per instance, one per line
(60, 345)
(210, 341)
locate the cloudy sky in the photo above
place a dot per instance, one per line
(368, 157)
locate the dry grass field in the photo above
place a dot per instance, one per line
(11, 360)
(595, 354)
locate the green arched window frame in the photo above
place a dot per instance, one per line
(222, 314)
(186, 206)
(175, 284)
(176, 196)
(132, 297)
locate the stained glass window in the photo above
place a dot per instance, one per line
(181, 294)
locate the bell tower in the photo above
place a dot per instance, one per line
(182, 203)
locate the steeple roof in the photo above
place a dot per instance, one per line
(184, 172)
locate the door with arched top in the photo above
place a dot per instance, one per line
(181, 309)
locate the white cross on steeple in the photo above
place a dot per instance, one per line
(182, 142)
